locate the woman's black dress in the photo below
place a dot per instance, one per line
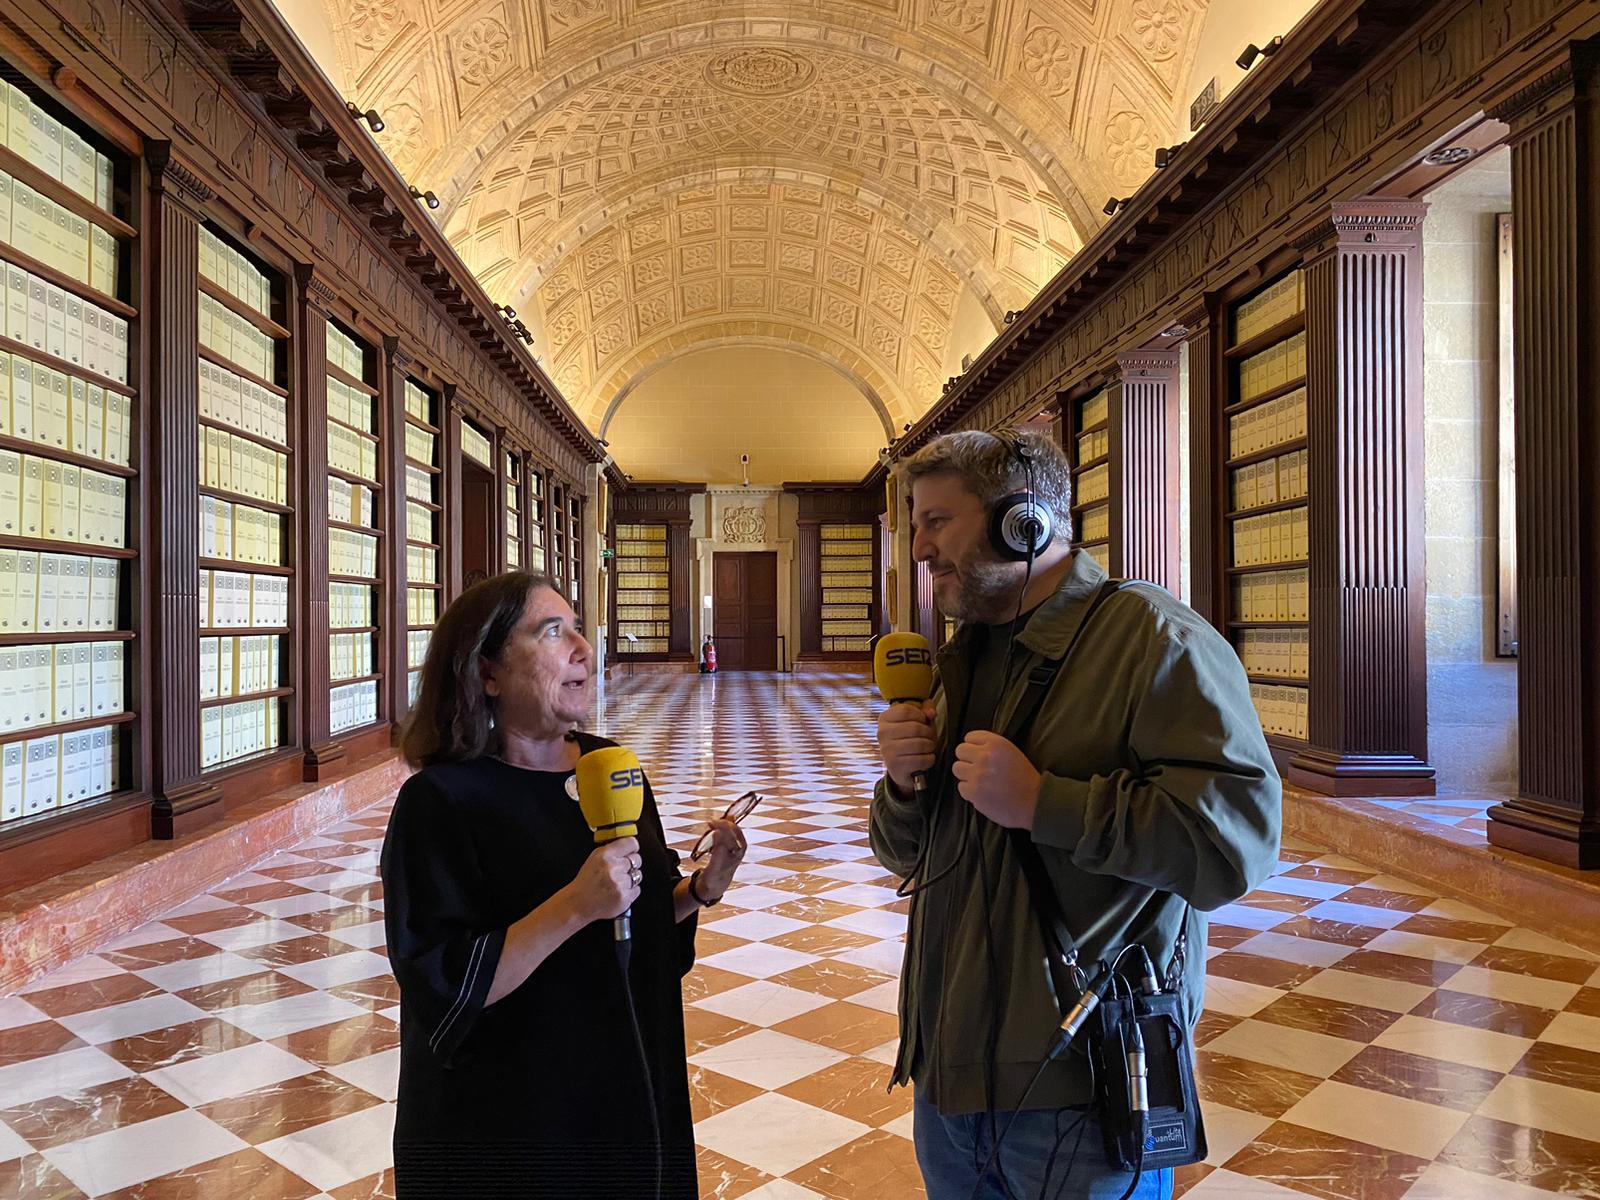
(542, 1094)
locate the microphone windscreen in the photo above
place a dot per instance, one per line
(902, 665)
(611, 792)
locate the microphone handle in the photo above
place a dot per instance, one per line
(919, 788)
(622, 927)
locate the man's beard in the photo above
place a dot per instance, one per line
(986, 593)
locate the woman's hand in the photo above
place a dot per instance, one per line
(727, 852)
(608, 882)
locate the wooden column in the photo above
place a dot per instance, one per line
(1555, 179)
(182, 800)
(1144, 467)
(1368, 704)
(450, 492)
(809, 547)
(396, 366)
(1208, 472)
(502, 524)
(312, 298)
(680, 566)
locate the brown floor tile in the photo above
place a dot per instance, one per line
(1482, 1012)
(329, 853)
(1355, 1022)
(814, 908)
(1255, 1087)
(1255, 968)
(845, 1027)
(215, 919)
(1339, 932)
(1280, 902)
(294, 951)
(870, 1168)
(246, 1173)
(1567, 1166)
(62, 1119)
(1211, 1024)
(1403, 968)
(832, 978)
(32, 1178)
(1226, 937)
(806, 883)
(1448, 927)
(24, 1042)
(290, 872)
(1330, 874)
(1383, 898)
(703, 1029)
(361, 893)
(903, 907)
(1586, 1002)
(797, 862)
(257, 892)
(373, 1187)
(710, 1093)
(705, 981)
(1528, 962)
(1416, 1077)
(725, 1178)
(1185, 1178)
(1561, 1064)
(343, 1041)
(854, 1088)
(176, 1043)
(347, 917)
(708, 942)
(156, 954)
(818, 939)
(1306, 1160)
(96, 993)
(381, 991)
(288, 1107)
(248, 989)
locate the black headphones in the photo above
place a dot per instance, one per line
(1019, 526)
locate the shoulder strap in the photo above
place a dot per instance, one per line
(1062, 958)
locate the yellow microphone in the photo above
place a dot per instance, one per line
(902, 666)
(611, 794)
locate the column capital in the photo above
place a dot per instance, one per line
(1148, 363)
(1369, 223)
(315, 288)
(1574, 75)
(173, 181)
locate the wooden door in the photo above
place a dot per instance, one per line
(477, 523)
(744, 596)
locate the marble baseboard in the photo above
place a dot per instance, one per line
(823, 666)
(50, 923)
(1555, 900)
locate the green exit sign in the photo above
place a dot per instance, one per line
(608, 553)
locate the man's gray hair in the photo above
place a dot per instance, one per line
(990, 471)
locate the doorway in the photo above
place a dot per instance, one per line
(477, 523)
(744, 596)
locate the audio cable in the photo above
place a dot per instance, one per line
(624, 957)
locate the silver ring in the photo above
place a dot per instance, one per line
(635, 861)
(636, 875)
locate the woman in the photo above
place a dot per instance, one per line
(520, 1071)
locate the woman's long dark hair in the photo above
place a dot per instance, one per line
(453, 717)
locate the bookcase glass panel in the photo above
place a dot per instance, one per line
(1091, 478)
(424, 527)
(514, 504)
(1266, 503)
(355, 584)
(575, 549)
(67, 418)
(847, 584)
(642, 571)
(246, 518)
(536, 520)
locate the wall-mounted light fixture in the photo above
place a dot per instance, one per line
(1114, 203)
(427, 198)
(1165, 155)
(1247, 56)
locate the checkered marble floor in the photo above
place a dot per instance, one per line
(1468, 813)
(1365, 1039)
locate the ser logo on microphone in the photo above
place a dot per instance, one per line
(632, 777)
(907, 656)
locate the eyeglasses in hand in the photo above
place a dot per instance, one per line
(736, 812)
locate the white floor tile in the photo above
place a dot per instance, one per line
(15, 1011)
(82, 970)
(1443, 1182)
(776, 1134)
(290, 1015)
(763, 1003)
(377, 1073)
(874, 922)
(1359, 914)
(1518, 989)
(782, 1189)
(1421, 945)
(755, 926)
(1228, 1185)
(1538, 943)
(297, 906)
(58, 1075)
(866, 895)
(1238, 998)
(884, 997)
(341, 968)
(131, 1018)
(1280, 1046)
(1230, 1130)
(1523, 1101)
(11, 1144)
(340, 1151)
(368, 937)
(1248, 916)
(1310, 952)
(756, 896)
(758, 960)
(234, 1072)
(147, 934)
(1391, 995)
(1454, 1043)
(192, 972)
(1378, 1119)
(767, 1059)
(1576, 1030)
(257, 933)
(882, 956)
(132, 1154)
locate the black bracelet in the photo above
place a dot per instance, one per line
(694, 892)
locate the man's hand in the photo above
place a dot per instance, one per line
(905, 742)
(997, 779)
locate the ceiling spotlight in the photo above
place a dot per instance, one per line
(1113, 204)
(1165, 155)
(1448, 157)
(371, 117)
(506, 311)
(1248, 56)
(427, 198)
(906, 428)
(1012, 315)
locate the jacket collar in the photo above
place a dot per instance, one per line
(1050, 629)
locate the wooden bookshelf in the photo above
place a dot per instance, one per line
(538, 519)
(1266, 504)
(424, 525)
(246, 510)
(848, 577)
(355, 577)
(1090, 456)
(643, 591)
(515, 506)
(69, 472)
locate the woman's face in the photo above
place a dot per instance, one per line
(543, 678)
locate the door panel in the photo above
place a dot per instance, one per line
(744, 596)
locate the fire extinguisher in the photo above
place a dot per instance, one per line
(708, 657)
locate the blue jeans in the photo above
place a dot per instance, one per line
(1048, 1154)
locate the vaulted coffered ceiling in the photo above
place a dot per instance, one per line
(872, 183)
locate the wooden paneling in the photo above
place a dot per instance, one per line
(1144, 468)
(745, 600)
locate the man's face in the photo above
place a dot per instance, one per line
(950, 532)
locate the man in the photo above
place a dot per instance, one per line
(1143, 782)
